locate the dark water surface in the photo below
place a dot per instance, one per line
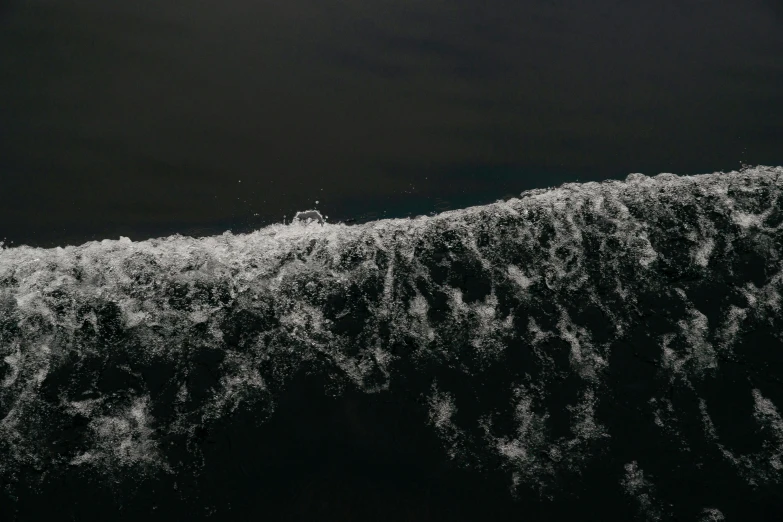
(148, 118)
(597, 351)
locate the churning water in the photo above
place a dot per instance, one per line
(615, 345)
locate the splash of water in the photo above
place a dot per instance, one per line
(543, 333)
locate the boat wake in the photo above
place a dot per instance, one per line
(617, 341)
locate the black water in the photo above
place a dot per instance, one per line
(599, 352)
(149, 118)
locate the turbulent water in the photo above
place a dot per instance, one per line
(615, 344)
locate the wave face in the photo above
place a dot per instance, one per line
(610, 346)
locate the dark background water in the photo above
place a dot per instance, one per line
(148, 118)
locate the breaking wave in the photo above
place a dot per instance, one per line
(617, 340)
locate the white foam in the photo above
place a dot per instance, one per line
(296, 269)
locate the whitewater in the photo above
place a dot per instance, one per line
(633, 326)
